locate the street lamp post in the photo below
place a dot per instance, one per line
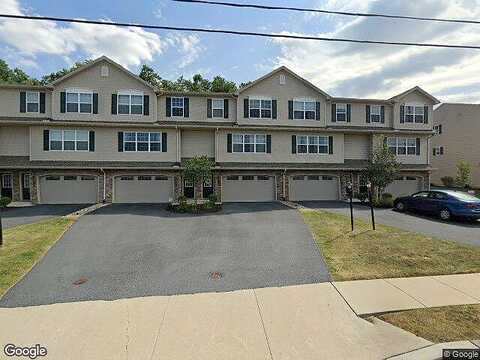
(350, 195)
(369, 187)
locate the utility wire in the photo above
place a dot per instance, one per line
(346, 13)
(235, 32)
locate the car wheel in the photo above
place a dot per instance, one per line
(400, 206)
(445, 214)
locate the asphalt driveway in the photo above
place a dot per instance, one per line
(139, 250)
(461, 231)
(27, 215)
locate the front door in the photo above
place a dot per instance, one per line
(207, 187)
(188, 189)
(26, 187)
(6, 185)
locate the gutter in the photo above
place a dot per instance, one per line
(104, 185)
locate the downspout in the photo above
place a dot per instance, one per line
(284, 184)
(104, 185)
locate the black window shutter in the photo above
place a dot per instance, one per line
(290, 109)
(294, 144)
(209, 108)
(382, 114)
(42, 103)
(425, 116)
(269, 144)
(274, 109)
(146, 105)
(334, 112)
(225, 108)
(246, 111)
(164, 142)
(402, 114)
(23, 101)
(434, 152)
(120, 141)
(168, 106)
(330, 144)
(46, 140)
(114, 104)
(95, 103)
(229, 143)
(186, 107)
(91, 143)
(63, 101)
(367, 114)
(317, 110)
(418, 146)
(349, 112)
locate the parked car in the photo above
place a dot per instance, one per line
(444, 203)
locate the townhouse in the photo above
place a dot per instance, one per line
(457, 130)
(101, 133)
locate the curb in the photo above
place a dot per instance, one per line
(85, 211)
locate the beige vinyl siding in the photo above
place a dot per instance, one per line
(10, 104)
(91, 80)
(357, 146)
(423, 158)
(293, 88)
(198, 143)
(414, 97)
(281, 149)
(106, 146)
(197, 109)
(14, 140)
(358, 115)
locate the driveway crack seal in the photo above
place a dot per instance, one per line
(263, 324)
(425, 306)
(454, 288)
(160, 328)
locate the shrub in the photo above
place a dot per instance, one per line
(448, 181)
(362, 196)
(464, 174)
(4, 201)
(386, 201)
(212, 198)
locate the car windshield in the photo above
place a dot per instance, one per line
(463, 196)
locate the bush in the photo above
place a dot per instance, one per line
(362, 196)
(4, 201)
(212, 198)
(448, 181)
(386, 201)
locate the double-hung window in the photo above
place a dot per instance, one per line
(260, 108)
(312, 144)
(79, 102)
(178, 106)
(130, 103)
(341, 112)
(414, 113)
(69, 140)
(33, 101)
(218, 108)
(249, 143)
(304, 109)
(142, 141)
(402, 146)
(375, 113)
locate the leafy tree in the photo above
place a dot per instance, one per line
(220, 84)
(47, 79)
(245, 84)
(149, 75)
(464, 174)
(197, 169)
(14, 76)
(382, 168)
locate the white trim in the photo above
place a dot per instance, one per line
(136, 141)
(178, 107)
(130, 93)
(214, 108)
(406, 147)
(255, 143)
(62, 131)
(336, 112)
(414, 105)
(260, 98)
(79, 92)
(27, 102)
(317, 144)
(304, 111)
(379, 113)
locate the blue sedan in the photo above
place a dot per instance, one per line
(444, 203)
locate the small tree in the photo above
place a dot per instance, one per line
(464, 174)
(382, 168)
(197, 169)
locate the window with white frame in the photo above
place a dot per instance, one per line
(177, 106)
(402, 146)
(249, 143)
(438, 150)
(218, 108)
(130, 103)
(304, 109)
(414, 113)
(142, 141)
(69, 140)
(312, 144)
(79, 102)
(375, 113)
(438, 129)
(260, 108)
(33, 101)
(341, 112)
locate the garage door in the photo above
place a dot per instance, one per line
(143, 189)
(404, 185)
(68, 189)
(313, 187)
(248, 188)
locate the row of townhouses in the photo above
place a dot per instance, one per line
(101, 133)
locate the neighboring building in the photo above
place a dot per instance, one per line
(102, 133)
(457, 136)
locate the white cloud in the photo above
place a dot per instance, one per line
(189, 47)
(347, 69)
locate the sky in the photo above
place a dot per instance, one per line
(340, 69)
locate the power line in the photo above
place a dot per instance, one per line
(235, 32)
(346, 13)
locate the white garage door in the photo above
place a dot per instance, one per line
(68, 189)
(313, 187)
(248, 188)
(143, 189)
(404, 185)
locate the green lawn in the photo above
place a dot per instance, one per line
(24, 245)
(443, 324)
(386, 252)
